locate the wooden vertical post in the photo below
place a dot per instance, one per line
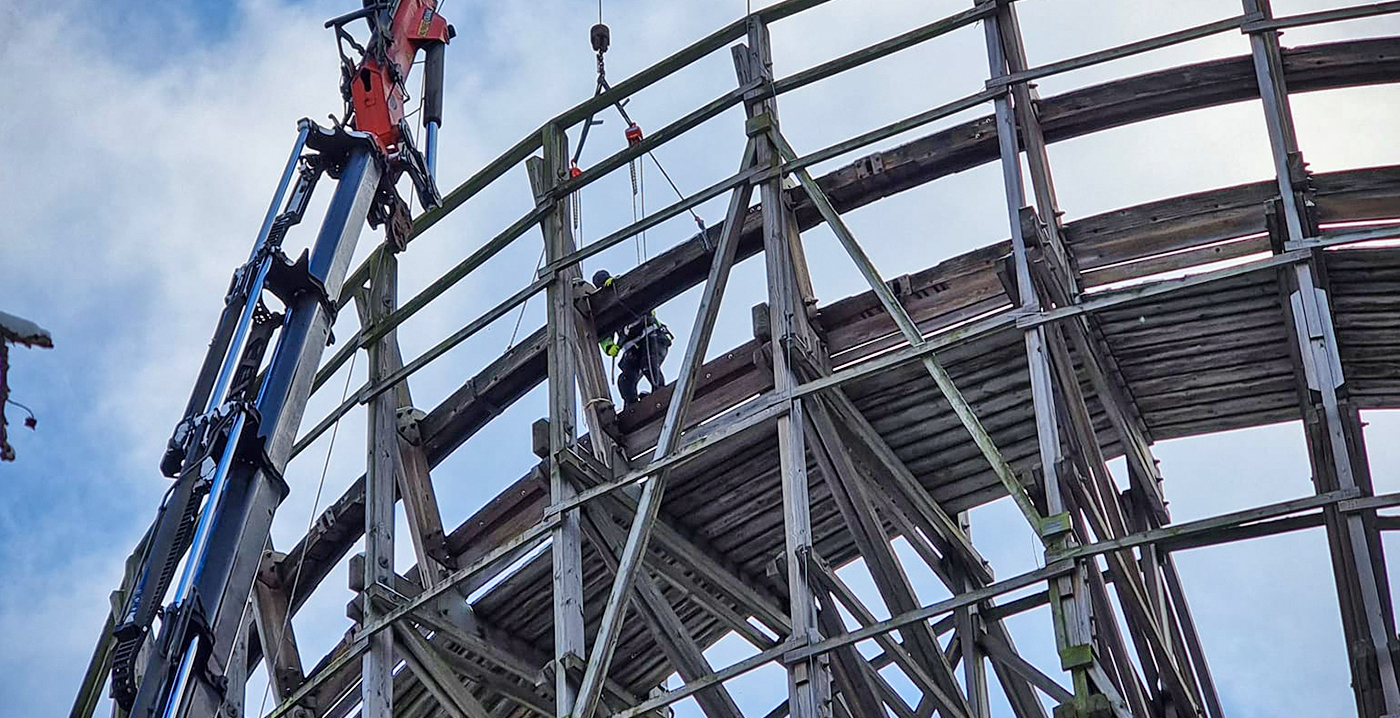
(566, 548)
(414, 481)
(969, 625)
(271, 619)
(809, 680)
(1069, 594)
(377, 665)
(1336, 446)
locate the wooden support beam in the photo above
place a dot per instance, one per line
(1057, 282)
(861, 435)
(903, 487)
(894, 650)
(1071, 607)
(433, 671)
(377, 666)
(450, 615)
(1113, 662)
(704, 560)
(1150, 636)
(950, 391)
(1058, 564)
(566, 541)
(731, 587)
(809, 682)
(1191, 637)
(100, 665)
(272, 620)
(1002, 653)
(415, 485)
(538, 699)
(443, 612)
(686, 657)
(969, 623)
(874, 545)
(1336, 445)
(855, 684)
(236, 670)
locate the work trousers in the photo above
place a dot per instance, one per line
(642, 360)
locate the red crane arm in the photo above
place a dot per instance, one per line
(377, 90)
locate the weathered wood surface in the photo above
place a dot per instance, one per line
(1206, 359)
(943, 153)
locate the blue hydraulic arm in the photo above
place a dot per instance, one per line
(229, 450)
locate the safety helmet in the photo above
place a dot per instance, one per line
(600, 278)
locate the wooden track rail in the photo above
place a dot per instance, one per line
(721, 504)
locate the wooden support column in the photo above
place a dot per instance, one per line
(1097, 497)
(1069, 594)
(969, 623)
(100, 665)
(809, 680)
(874, 545)
(566, 539)
(234, 698)
(1058, 277)
(1056, 282)
(856, 688)
(414, 482)
(1336, 445)
(377, 665)
(273, 623)
(950, 391)
(957, 574)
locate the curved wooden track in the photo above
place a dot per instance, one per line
(1209, 357)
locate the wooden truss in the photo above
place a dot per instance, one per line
(726, 502)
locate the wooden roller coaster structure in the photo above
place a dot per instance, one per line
(724, 503)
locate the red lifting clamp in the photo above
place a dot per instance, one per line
(634, 134)
(574, 171)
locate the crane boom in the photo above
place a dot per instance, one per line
(228, 452)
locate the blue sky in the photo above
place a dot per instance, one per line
(146, 139)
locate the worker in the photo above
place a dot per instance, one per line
(642, 344)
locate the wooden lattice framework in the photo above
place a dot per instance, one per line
(725, 502)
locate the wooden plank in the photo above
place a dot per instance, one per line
(272, 620)
(377, 666)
